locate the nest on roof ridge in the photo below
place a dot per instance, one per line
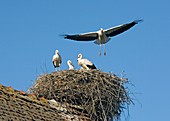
(102, 96)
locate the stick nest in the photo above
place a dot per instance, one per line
(102, 96)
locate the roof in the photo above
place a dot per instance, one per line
(17, 105)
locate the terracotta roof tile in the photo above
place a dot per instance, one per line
(17, 105)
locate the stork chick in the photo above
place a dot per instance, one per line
(70, 65)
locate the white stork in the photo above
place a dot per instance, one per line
(85, 63)
(102, 36)
(57, 59)
(70, 65)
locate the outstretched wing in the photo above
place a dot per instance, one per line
(90, 36)
(120, 29)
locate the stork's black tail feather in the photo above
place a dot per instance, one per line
(91, 66)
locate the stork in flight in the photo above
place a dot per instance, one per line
(102, 36)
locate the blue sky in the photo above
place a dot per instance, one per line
(29, 35)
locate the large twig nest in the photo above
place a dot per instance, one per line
(100, 95)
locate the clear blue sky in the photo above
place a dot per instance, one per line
(29, 35)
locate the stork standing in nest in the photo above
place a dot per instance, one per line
(85, 63)
(57, 60)
(102, 36)
(70, 65)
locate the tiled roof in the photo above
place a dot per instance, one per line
(17, 105)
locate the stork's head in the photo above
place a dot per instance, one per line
(56, 52)
(80, 56)
(69, 62)
(101, 29)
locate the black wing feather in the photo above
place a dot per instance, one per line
(122, 28)
(78, 37)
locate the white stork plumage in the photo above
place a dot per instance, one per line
(70, 65)
(57, 59)
(102, 36)
(85, 63)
